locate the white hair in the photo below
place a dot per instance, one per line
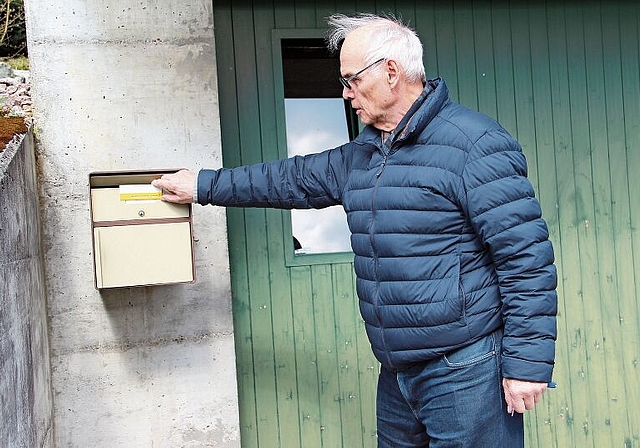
(390, 39)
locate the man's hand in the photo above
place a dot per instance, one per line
(522, 396)
(178, 187)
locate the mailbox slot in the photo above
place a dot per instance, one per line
(138, 242)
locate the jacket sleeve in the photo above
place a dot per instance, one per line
(508, 218)
(311, 181)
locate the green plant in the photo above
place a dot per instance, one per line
(13, 34)
(17, 63)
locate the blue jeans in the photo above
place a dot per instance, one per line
(452, 401)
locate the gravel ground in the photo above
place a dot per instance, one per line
(15, 103)
(15, 93)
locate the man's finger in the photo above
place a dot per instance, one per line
(529, 403)
(161, 183)
(169, 197)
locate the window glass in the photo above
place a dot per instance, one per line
(313, 125)
(317, 118)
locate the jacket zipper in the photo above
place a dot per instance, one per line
(385, 157)
(382, 166)
(376, 294)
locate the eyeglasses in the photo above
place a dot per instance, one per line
(345, 81)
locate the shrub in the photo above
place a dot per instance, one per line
(13, 33)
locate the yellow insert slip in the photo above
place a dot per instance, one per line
(139, 192)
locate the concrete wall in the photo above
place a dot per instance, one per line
(26, 410)
(121, 85)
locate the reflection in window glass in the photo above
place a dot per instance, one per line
(313, 125)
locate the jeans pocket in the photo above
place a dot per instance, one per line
(474, 353)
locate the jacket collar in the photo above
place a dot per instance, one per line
(419, 115)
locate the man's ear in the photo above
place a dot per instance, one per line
(393, 73)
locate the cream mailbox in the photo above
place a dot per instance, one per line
(138, 240)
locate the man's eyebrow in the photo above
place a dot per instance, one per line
(349, 73)
(346, 75)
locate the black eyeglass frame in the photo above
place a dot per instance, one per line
(345, 81)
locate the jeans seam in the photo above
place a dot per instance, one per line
(404, 395)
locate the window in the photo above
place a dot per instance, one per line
(317, 118)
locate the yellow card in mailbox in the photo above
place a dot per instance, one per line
(139, 192)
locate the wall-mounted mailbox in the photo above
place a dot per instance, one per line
(138, 240)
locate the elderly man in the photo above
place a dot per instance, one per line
(454, 267)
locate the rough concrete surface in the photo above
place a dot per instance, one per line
(118, 85)
(174, 395)
(26, 410)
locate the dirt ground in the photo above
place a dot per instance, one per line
(9, 127)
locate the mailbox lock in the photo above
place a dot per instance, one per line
(141, 213)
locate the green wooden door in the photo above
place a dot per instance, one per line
(306, 375)
(564, 78)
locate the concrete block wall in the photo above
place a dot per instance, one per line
(120, 85)
(26, 410)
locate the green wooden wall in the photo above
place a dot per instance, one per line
(564, 78)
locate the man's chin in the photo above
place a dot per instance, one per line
(364, 120)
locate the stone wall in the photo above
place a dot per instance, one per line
(26, 409)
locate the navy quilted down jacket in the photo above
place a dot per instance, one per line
(448, 237)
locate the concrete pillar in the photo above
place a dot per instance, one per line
(121, 85)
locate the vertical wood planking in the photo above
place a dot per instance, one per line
(516, 43)
(346, 326)
(305, 15)
(629, 28)
(285, 405)
(503, 66)
(256, 234)
(446, 46)
(602, 219)
(587, 330)
(485, 75)
(513, 68)
(282, 297)
(524, 114)
(559, 77)
(406, 12)
(306, 357)
(426, 27)
(617, 280)
(583, 204)
(323, 10)
(265, 306)
(284, 15)
(346, 7)
(365, 6)
(299, 414)
(327, 360)
(465, 54)
(227, 66)
(306, 337)
(368, 369)
(524, 123)
(544, 150)
(283, 319)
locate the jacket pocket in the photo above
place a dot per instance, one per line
(462, 297)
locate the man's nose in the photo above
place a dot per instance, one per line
(347, 94)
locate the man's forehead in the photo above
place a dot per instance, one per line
(356, 40)
(353, 49)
